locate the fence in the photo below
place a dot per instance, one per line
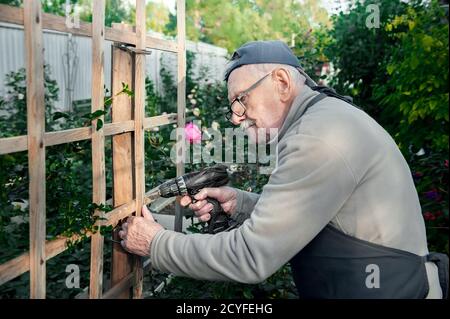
(70, 61)
(127, 131)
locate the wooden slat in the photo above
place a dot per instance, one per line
(36, 149)
(125, 283)
(19, 143)
(14, 15)
(181, 100)
(120, 213)
(118, 127)
(154, 121)
(122, 157)
(161, 44)
(13, 144)
(119, 287)
(11, 14)
(21, 264)
(68, 136)
(98, 144)
(58, 23)
(139, 115)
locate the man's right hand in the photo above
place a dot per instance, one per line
(226, 196)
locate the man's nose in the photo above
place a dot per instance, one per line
(237, 120)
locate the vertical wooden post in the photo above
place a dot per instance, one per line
(98, 144)
(122, 155)
(139, 114)
(181, 100)
(36, 147)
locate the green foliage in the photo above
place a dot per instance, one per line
(69, 207)
(310, 49)
(430, 173)
(415, 98)
(230, 24)
(358, 53)
(14, 105)
(15, 3)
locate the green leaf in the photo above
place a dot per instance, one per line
(414, 62)
(97, 114)
(248, 294)
(99, 124)
(390, 69)
(433, 104)
(108, 102)
(87, 116)
(422, 86)
(59, 115)
(126, 90)
(427, 42)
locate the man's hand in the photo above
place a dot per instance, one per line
(226, 196)
(138, 232)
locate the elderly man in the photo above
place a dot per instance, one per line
(341, 205)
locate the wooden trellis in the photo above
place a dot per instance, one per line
(127, 131)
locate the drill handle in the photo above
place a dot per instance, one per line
(219, 221)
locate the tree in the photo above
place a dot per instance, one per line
(415, 97)
(157, 16)
(358, 53)
(116, 11)
(229, 24)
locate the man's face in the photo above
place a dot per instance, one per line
(264, 110)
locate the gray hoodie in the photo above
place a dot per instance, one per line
(337, 166)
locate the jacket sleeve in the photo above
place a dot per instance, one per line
(246, 202)
(304, 193)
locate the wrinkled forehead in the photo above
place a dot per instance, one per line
(239, 80)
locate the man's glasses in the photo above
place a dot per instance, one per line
(237, 105)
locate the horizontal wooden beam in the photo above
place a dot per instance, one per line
(115, 291)
(154, 121)
(19, 143)
(13, 144)
(11, 14)
(52, 22)
(21, 264)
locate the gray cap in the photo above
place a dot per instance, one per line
(257, 52)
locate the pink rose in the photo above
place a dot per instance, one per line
(192, 133)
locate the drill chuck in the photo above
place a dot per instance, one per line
(173, 187)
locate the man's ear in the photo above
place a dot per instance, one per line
(284, 83)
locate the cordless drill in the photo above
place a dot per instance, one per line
(190, 184)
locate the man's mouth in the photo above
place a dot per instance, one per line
(248, 124)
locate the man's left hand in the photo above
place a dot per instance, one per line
(138, 232)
